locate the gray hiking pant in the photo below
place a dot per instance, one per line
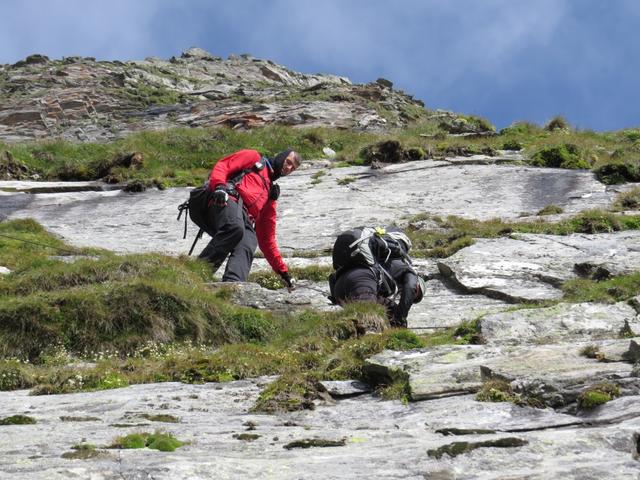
(232, 235)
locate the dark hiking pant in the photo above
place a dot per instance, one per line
(232, 235)
(359, 284)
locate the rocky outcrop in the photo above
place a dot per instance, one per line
(557, 372)
(531, 268)
(307, 295)
(560, 323)
(81, 99)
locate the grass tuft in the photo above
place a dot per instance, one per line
(165, 442)
(597, 394)
(18, 420)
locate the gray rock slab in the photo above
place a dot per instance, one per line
(503, 156)
(619, 351)
(572, 453)
(635, 303)
(310, 215)
(306, 295)
(447, 370)
(530, 267)
(261, 265)
(560, 323)
(556, 374)
(442, 307)
(614, 411)
(345, 388)
(33, 187)
(462, 415)
(457, 369)
(383, 439)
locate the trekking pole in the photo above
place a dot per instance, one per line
(64, 250)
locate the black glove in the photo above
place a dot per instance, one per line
(289, 282)
(220, 197)
(274, 192)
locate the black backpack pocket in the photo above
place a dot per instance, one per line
(199, 201)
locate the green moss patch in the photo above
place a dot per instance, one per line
(162, 417)
(611, 290)
(290, 392)
(165, 442)
(459, 448)
(18, 420)
(403, 340)
(272, 281)
(247, 437)
(314, 443)
(66, 418)
(628, 200)
(592, 351)
(597, 394)
(560, 156)
(497, 390)
(550, 210)
(83, 451)
(467, 333)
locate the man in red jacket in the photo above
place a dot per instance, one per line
(242, 214)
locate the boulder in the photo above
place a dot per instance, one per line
(442, 307)
(197, 53)
(531, 268)
(560, 323)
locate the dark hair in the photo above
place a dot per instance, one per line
(278, 161)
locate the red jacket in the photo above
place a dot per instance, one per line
(254, 190)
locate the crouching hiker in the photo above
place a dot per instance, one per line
(237, 208)
(372, 264)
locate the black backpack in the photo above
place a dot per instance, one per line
(197, 208)
(363, 247)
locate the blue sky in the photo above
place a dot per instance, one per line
(505, 60)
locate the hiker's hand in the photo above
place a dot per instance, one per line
(289, 282)
(220, 197)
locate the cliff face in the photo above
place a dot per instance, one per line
(81, 99)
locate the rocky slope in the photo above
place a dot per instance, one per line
(540, 353)
(81, 99)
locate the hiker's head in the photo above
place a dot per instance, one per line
(421, 288)
(285, 162)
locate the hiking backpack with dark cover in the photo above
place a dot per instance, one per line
(199, 202)
(363, 247)
(398, 243)
(359, 246)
